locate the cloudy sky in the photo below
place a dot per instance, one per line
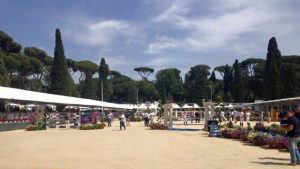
(155, 33)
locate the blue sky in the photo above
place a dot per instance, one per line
(155, 33)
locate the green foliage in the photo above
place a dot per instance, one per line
(103, 70)
(124, 89)
(61, 80)
(237, 85)
(289, 80)
(160, 112)
(4, 80)
(147, 91)
(35, 53)
(84, 66)
(7, 44)
(88, 91)
(169, 83)
(272, 85)
(103, 82)
(197, 84)
(227, 83)
(144, 72)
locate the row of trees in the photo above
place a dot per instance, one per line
(31, 68)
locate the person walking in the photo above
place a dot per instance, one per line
(222, 116)
(127, 119)
(184, 118)
(293, 133)
(197, 116)
(122, 121)
(192, 117)
(109, 118)
(248, 117)
(242, 117)
(262, 116)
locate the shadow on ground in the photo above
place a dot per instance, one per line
(270, 163)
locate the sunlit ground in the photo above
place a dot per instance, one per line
(135, 148)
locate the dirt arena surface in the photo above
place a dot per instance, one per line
(135, 148)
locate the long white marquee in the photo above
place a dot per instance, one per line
(13, 94)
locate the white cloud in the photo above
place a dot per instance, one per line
(162, 43)
(229, 25)
(102, 33)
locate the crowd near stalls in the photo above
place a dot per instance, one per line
(49, 110)
(188, 111)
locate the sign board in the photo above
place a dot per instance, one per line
(86, 116)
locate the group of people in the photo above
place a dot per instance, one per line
(123, 117)
(193, 116)
(148, 118)
(231, 115)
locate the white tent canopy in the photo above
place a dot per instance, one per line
(142, 106)
(175, 106)
(196, 106)
(38, 97)
(185, 106)
(153, 106)
(230, 106)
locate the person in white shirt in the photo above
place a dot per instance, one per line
(242, 118)
(122, 121)
(262, 116)
(109, 118)
(231, 114)
(222, 116)
(248, 116)
(184, 118)
(209, 115)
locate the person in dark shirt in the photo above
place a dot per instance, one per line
(297, 111)
(293, 133)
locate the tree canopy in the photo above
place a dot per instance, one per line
(144, 72)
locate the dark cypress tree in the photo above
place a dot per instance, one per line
(273, 49)
(61, 80)
(88, 91)
(272, 85)
(213, 77)
(227, 83)
(237, 85)
(103, 74)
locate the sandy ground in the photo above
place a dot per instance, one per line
(135, 148)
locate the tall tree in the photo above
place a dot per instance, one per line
(212, 77)
(197, 84)
(237, 85)
(227, 83)
(169, 83)
(272, 85)
(147, 91)
(61, 80)
(88, 91)
(144, 72)
(103, 83)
